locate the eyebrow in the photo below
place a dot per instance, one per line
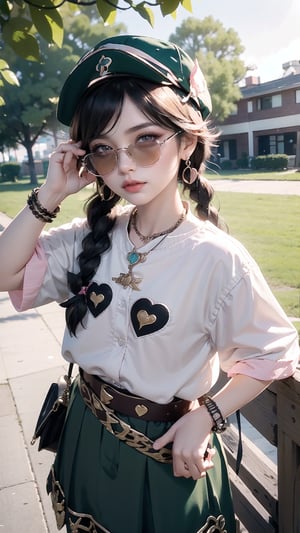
(140, 126)
(133, 129)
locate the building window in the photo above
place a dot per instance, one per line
(250, 106)
(297, 96)
(268, 102)
(277, 144)
(227, 149)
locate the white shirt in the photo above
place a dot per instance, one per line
(212, 308)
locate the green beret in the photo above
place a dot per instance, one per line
(137, 56)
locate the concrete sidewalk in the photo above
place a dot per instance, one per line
(289, 188)
(29, 361)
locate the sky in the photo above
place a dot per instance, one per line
(268, 29)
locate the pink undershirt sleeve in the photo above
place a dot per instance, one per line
(36, 267)
(265, 370)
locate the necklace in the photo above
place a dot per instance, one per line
(135, 258)
(147, 238)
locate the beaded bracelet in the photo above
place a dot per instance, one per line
(38, 210)
(214, 411)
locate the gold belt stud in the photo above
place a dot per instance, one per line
(141, 409)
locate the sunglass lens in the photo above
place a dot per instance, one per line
(145, 154)
(101, 165)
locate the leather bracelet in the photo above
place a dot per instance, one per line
(215, 413)
(38, 210)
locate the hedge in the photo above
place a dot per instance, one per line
(270, 162)
(10, 171)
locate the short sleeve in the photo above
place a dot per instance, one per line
(45, 278)
(252, 334)
(33, 279)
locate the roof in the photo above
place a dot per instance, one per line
(287, 82)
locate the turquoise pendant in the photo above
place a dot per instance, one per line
(133, 257)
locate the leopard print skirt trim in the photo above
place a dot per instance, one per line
(119, 428)
(76, 522)
(214, 525)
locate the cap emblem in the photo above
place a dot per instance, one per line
(103, 65)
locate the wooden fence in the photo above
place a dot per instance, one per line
(266, 495)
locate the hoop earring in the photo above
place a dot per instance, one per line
(189, 173)
(101, 191)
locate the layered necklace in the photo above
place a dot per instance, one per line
(147, 238)
(134, 257)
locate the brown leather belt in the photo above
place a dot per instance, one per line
(127, 404)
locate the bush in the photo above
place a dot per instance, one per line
(243, 162)
(226, 164)
(270, 162)
(10, 171)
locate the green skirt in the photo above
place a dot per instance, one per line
(100, 484)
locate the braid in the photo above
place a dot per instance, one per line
(101, 221)
(202, 193)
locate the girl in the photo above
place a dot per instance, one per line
(157, 299)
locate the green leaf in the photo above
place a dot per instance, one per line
(49, 24)
(2, 101)
(187, 4)
(145, 12)
(24, 45)
(107, 12)
(168, 7)
(17, 23)
(3, 64)
(9, 77)
(16, 34)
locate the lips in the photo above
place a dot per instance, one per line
(133, 186)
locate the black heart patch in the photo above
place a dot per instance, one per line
(98, 297)
(147, 317)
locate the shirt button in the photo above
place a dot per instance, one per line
(121, 342)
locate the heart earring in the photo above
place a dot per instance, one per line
(189, 173)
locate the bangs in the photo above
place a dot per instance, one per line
(99, 107)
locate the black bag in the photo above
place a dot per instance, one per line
(53, 413)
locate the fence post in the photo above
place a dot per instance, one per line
(288, 417)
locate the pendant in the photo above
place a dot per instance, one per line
(134, 258)
(128, 280)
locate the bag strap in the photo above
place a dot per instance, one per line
(240, 443)
(64, 398)
(70, 370)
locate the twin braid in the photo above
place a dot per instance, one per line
(202, 192)
(94, 244)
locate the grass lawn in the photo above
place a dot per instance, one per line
(13, 197)
(268, 225)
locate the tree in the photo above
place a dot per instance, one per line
(23, 21)
(6, 143)
(27, 106)
(30, 108)
(217, 51)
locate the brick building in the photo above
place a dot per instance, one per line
(266, 119)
